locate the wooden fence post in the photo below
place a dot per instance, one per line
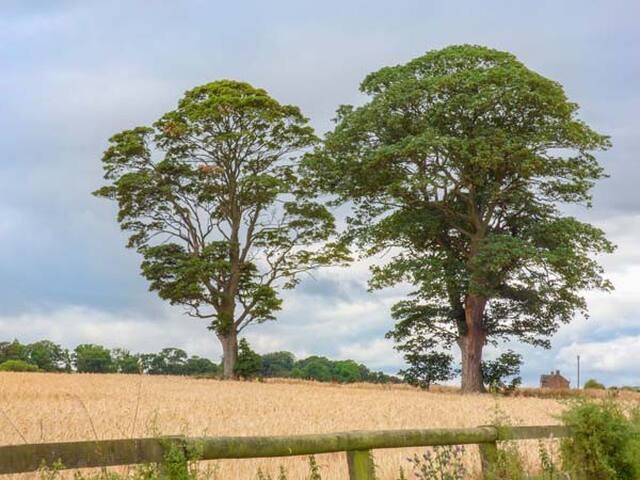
(488, 458)
(361, 465)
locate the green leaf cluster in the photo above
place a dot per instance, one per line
(457, 168)
(604, 443)
(212, 198)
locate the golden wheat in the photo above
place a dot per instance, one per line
(59, 407)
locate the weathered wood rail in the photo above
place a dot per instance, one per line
(357, 445)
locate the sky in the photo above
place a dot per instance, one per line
(73, 73)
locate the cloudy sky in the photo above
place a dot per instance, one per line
(75, 72)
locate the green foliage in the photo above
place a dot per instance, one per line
(427, 368)
(178, 463)
(346, 371)
(439, 463)
(89, 358)
(593, 385)
(322, 369)
(249, 363)
(503, 373)
(507, 462)
(277, 364)
(17, 366)
(604, 444)
(200, 366)
(174, 361)
(13, 351)
(313, 368)
(213, 200)
(126, 362)
(507, 465)
(169, 361)
(45, 354)
(550, 471)
(458, 162)
(48, 356)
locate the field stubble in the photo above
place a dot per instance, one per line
(40, 407)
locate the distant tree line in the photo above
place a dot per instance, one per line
(285, 365)
(48, 356)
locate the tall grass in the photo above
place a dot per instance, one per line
(62, 407)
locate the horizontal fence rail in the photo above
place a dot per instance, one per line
(358, 444)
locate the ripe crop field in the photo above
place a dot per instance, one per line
(40, 407)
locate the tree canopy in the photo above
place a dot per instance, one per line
(457, 164)
(90, 358)
(212, 199)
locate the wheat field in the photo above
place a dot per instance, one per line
(39, 407)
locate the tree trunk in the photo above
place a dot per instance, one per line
(229, 353)
(472, 343)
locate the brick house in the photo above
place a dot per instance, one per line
(554, 381)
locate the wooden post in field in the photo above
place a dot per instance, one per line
(488, 458)
(489, 455)
(361, 465)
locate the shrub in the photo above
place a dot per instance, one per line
(439, 463)
(249, 362)
(503, 373)
(593, 385)
(18, 366)
(508, 464)
(604, 444)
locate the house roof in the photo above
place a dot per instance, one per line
(553, 375)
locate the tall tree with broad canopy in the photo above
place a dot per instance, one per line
(212, 198)
(457, 165)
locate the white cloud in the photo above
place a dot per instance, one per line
(617, 311)
(613, 361)
(75, 324)
(378, 353)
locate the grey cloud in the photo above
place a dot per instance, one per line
(74, 73)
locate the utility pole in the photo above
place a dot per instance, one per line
(578, 385)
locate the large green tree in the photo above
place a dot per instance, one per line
(212, 198)
(458, 165)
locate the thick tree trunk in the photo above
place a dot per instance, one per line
(229, 353)
(472, 343)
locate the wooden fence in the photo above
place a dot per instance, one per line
(357, 445)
